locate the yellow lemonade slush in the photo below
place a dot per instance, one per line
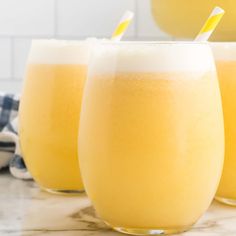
(50, 112)
(225, 55)
(151, 136)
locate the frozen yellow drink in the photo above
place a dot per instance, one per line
(50, 112)
(151, 135)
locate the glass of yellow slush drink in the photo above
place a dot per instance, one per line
(151, 138)
(50, 112)
(225, 55)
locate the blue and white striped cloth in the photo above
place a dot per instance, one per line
(10, 154)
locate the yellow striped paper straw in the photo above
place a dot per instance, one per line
(122, 26)
(210, 24)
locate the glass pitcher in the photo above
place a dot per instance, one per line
(184, 18)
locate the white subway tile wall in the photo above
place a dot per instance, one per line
(27, 17)
(147, 28)
(91, 17)
(5, 58)
(21, 48)
(23, 20)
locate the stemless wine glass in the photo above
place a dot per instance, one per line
(50, 111)
(151, 137)
(225, 56)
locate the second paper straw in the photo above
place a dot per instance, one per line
(210, 24)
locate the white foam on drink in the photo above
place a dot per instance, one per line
(51, 51)
(225, 51)
(151, 57)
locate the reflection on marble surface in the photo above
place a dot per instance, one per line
(27, 211)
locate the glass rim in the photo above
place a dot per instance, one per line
(58, 42)
(53, 41)
(224, 43)
(157, 42)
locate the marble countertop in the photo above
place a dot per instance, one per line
(25, 210)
